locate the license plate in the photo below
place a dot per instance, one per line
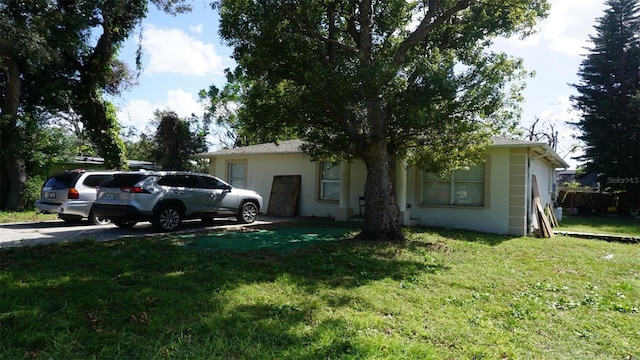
(109, 196)
(51, 195)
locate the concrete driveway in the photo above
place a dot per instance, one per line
(35, 233)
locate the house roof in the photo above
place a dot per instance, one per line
(91, 160)
(282, 147)
(294, 147)
(541, 149)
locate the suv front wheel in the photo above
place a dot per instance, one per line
(124, 224)
(248, 213)
(167, 218)
(96, 220)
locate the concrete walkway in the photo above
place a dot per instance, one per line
(606, 237)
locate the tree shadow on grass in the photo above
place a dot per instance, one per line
(136, 298)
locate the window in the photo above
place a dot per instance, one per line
(95, 180)
(461, 187)
(211, 182)
(238, 175)
(329, 181)
(189, 181)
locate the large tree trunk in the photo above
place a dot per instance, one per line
(382, 215)
(16, 171)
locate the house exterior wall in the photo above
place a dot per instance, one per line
(506, 210)
(262, 168)
(493, 217)
(518, 191)
(545, 177)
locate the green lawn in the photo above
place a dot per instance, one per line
(615, 225)
(24, 216)
(443, 295)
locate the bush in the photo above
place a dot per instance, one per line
(31, 192)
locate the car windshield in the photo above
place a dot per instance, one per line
(123, 180)
(61, 181)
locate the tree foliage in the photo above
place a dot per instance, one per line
(226, 109)
(139, 145)
(61, 56)
(609, 99)
(176, 141)
(379, 81)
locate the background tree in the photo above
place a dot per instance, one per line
(176, 140)
(379, 81)
(139, 145)
(61, 56)
(609, 99)
(225, 108)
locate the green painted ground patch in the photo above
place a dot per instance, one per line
(279, 240)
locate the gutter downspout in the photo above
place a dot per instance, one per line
(530, 160)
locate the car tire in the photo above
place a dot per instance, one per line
(207, 219)
(247, 213)
(167, 218)
(95, 220)
(70, 219)
(124, 224)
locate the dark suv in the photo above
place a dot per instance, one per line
(166, 198)
(71, 194)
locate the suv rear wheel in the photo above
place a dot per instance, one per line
(248, 213)
(167, 218)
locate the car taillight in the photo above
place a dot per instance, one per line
(73, 194)
(134, 190)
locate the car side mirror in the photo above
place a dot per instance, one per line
(227, 188)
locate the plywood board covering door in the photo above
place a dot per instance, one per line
(285, 191)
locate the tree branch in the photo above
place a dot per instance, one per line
(315, 35)
(365, 20)
(426, 27)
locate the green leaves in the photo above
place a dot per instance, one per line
(608, 97)
(334, 58)
(378, 80)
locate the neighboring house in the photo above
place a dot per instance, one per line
(575, 181)
(580, 193)
(493, 197)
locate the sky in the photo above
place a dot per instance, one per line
(183, 54)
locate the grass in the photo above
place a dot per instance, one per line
(24, 216)
(442, 295)
(615, 225)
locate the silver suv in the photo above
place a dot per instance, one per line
(71, 195)
(167, 197)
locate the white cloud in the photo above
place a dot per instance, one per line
(567, 28)
(196, 29)
(183, 103)
(173, 51)
(138, 113)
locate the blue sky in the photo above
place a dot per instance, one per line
(183, 54)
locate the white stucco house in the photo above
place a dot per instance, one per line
(493, 197)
